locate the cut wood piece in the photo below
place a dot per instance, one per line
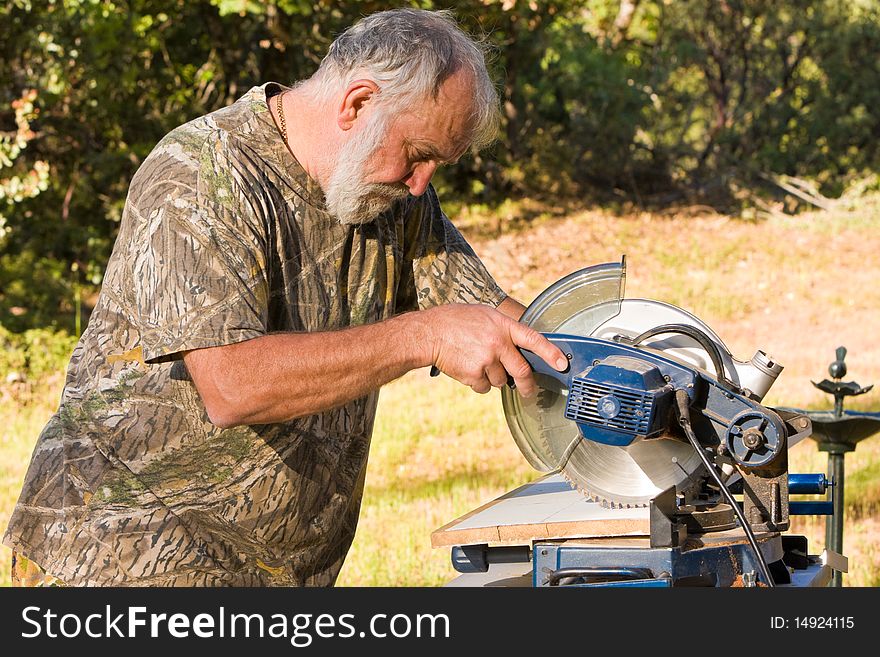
(544, 509)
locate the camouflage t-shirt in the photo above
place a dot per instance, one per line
(224, 238)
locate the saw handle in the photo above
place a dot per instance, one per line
(538, 364)
(435, 371)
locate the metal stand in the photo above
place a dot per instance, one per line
(834, 522)
(837, 434)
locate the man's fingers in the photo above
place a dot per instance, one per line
(521, 371)
(530, 339)
(482, 387)
(497, 375)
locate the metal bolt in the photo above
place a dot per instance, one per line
(753, 439)
(749, 579)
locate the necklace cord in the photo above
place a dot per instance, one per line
(281, 121)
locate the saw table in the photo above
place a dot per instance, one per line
(546, 508)
(497, 543)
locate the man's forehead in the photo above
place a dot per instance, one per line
(444, 125)
(456, 100)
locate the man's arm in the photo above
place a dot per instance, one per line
(281, 376)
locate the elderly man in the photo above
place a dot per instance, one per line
(279, 260)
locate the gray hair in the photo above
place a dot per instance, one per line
(410, 53)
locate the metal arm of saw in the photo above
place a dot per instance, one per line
(696, 334)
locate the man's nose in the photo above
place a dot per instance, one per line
(421, 175)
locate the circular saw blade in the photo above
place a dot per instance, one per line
(634, 475)
(615, 476)
(629, 476)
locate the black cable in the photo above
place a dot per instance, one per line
(708, 345)
(684, 419)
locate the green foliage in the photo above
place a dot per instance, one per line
(781, 88)
(19, 186)
(649, 101)
(35, 291)
(35, 354)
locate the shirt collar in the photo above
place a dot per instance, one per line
(266, 139)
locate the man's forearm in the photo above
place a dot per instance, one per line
(278, 377)
(281, 376)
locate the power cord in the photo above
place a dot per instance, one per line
(684, 419)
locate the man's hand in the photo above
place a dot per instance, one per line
(477, 346)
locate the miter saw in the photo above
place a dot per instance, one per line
(652, 420)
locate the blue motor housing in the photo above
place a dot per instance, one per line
(618, 392)
(619, 399)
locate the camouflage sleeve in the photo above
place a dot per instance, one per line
(444, 267)
(196, 252)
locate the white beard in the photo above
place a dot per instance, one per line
(349, 197)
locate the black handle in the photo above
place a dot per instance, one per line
(435, 371)
(589, 575)
(539, 366)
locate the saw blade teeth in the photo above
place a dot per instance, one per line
(598, 499)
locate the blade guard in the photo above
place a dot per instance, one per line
(609, 464)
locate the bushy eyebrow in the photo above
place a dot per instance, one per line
(430, 150)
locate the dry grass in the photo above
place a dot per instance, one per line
(796, 287)
(22, 417)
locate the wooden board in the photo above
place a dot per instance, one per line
(546, 508)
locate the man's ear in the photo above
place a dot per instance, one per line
(356, 96)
